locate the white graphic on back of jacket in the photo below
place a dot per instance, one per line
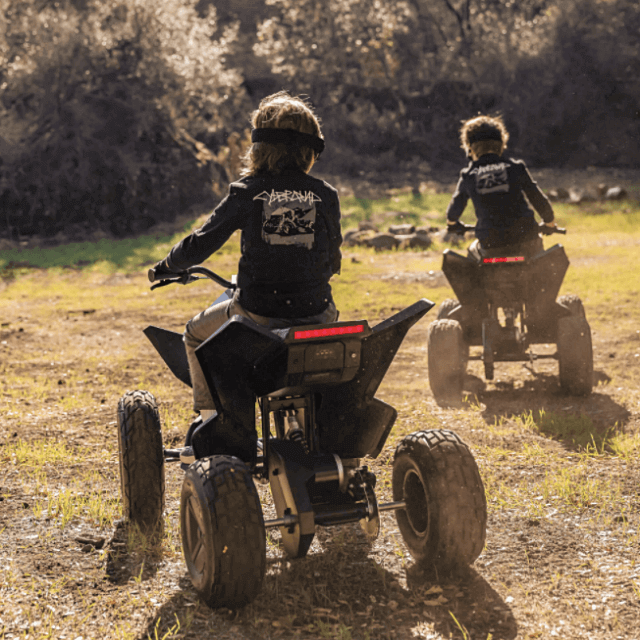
(492, 178)
(288, 217)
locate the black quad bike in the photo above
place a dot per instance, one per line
(315, 389)
(506, 302)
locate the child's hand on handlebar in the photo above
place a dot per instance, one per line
(548, 228)
(456, 227)
(160, 271)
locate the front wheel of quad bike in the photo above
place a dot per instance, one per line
(575, 355)
(223, 533)
(445, 519)
(445, 307)
(447, 360)
(141, 460)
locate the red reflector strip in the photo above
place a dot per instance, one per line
(508, 259)
(329, 331)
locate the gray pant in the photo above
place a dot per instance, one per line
(207, 322)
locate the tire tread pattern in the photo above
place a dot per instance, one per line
(573, 303)
(446, 361)
(575, 355)
(457, 501)
(445, 307)
(237, 527)
(141, 459)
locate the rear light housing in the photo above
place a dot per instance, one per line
(327, 332)
(505, 259)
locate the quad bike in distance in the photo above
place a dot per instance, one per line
(315, 389)
(506, 302)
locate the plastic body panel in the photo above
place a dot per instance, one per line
(170, 346)
(532, 284)
(243, 360)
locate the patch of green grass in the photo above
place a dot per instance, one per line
(537, 479)
(554, 482)
(367, 287)
(409, 207)
(107, 255)
(575, 429)
(37, 453)
(80, 502)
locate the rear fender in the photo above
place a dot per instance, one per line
(170, 346)
(546, 273)
(463, 275)
(243, 359)
(352, 422)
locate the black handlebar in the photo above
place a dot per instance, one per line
(461, 228)
(188, 276)
(549, 231)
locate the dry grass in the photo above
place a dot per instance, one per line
(560, 473)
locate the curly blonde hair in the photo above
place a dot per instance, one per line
(281, 111)
(483, 134)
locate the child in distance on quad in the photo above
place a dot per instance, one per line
(497, 187)
(291, 237)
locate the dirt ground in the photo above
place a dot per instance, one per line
(550, 568)
(545, 572)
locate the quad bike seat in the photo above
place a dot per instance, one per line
(527, 249)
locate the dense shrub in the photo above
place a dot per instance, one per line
(115, 96)
(132, 111)
(394, 80)
(577, 102)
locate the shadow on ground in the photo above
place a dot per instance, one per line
(345, 591)
(577, 421)
(141, 564)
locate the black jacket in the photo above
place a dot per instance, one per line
(497, 186)
(290, 242)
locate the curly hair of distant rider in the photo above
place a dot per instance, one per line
(484, 134)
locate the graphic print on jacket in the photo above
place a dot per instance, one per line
(289, 217)
(492, 178)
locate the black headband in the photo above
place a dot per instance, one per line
(484, 134)
(288, 136)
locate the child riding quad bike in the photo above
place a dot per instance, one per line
(315, 389)
(506, 288)
(506, 302)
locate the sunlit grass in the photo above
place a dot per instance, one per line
(601, 243)
(550, 481)
(37, 453)
(538, 479)
(534, 464)
(409, 207)
(37, 461)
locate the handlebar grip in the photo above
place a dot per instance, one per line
(151, 274)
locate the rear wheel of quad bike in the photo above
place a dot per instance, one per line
(447, 359)
(573, 303)
(445, 519)
(443, 312)
(141, 460)
(575, 355)
(223, 534)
